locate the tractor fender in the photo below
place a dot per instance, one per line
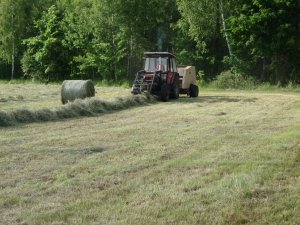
(171, 77)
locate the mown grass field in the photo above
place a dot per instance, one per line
(227, 157)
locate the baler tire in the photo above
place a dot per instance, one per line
(194, 91)
(175, 88)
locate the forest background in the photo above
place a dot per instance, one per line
(53, 40)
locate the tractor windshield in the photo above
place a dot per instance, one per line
(156, 64)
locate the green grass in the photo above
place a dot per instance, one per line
(265, 87)
(102, 83)
(36, 96)
(227, 157)
(236, 81)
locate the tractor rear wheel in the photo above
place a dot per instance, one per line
(165, 92)
(175, 88)
(194, 91)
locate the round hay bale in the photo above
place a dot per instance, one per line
(74, 89)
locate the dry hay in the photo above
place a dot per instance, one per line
(12, 98)
(76, 89)
(78, 108)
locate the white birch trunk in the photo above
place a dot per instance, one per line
(13, 48)
(13, 61)
(225, 27)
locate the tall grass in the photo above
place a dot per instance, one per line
(229, 80)
(269, 87)
(110, 83)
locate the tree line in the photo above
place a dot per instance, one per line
(103, 39)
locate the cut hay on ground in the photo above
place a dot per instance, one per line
(79, 108)
(76, 89)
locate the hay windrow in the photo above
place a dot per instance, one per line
(6, 119)
(78, 108)
(45, 115)
(24, 115)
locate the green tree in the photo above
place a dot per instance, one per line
(107, 38)
(16, 24)
(265, 35)
(12, 28)
(204, 23)
(147, 30)
(77, 27)
(46, 57)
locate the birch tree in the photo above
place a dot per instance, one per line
(204, 22)
(206, 19)
(12, 29)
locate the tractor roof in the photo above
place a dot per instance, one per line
(159, 54)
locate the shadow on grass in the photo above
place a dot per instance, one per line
(215, 99)
(94, 150)
(87, 151)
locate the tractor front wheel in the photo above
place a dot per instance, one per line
(165, 92)
(194, 91)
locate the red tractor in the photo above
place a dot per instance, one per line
(162, 77)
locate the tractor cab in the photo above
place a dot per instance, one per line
(159, 62)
